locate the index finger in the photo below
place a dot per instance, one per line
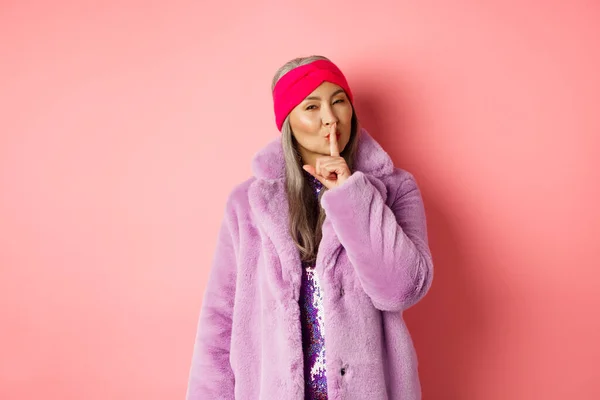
(333, 144)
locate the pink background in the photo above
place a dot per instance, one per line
(123, 127)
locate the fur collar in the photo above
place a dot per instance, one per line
(269, 205)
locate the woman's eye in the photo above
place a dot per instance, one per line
(313, 107)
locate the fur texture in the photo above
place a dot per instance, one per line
(373, 263)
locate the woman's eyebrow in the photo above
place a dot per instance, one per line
(318, 98)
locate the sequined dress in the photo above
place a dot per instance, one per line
(313, 329)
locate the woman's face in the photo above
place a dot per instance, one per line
(310, 121)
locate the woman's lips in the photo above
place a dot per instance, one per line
(337, 135)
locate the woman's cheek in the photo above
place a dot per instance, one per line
(347, 114)
(307, 122)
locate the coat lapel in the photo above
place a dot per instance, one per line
(268, 200)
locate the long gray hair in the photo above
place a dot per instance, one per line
(306, 215)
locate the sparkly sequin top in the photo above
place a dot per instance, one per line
(313, 329)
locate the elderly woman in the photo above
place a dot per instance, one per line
(318, 255)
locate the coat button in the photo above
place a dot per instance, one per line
(341, 292)
(343, 371)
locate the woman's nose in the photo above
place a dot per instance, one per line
(328, 116)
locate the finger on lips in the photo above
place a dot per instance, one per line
(333, 145)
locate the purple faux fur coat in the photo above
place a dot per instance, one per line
(373, 263)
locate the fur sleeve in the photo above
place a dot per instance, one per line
(211, 375)
(387, 246)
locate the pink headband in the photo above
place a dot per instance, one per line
(293, 87)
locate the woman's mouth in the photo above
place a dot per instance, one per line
(337, 134)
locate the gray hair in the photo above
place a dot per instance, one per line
(306, 215)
